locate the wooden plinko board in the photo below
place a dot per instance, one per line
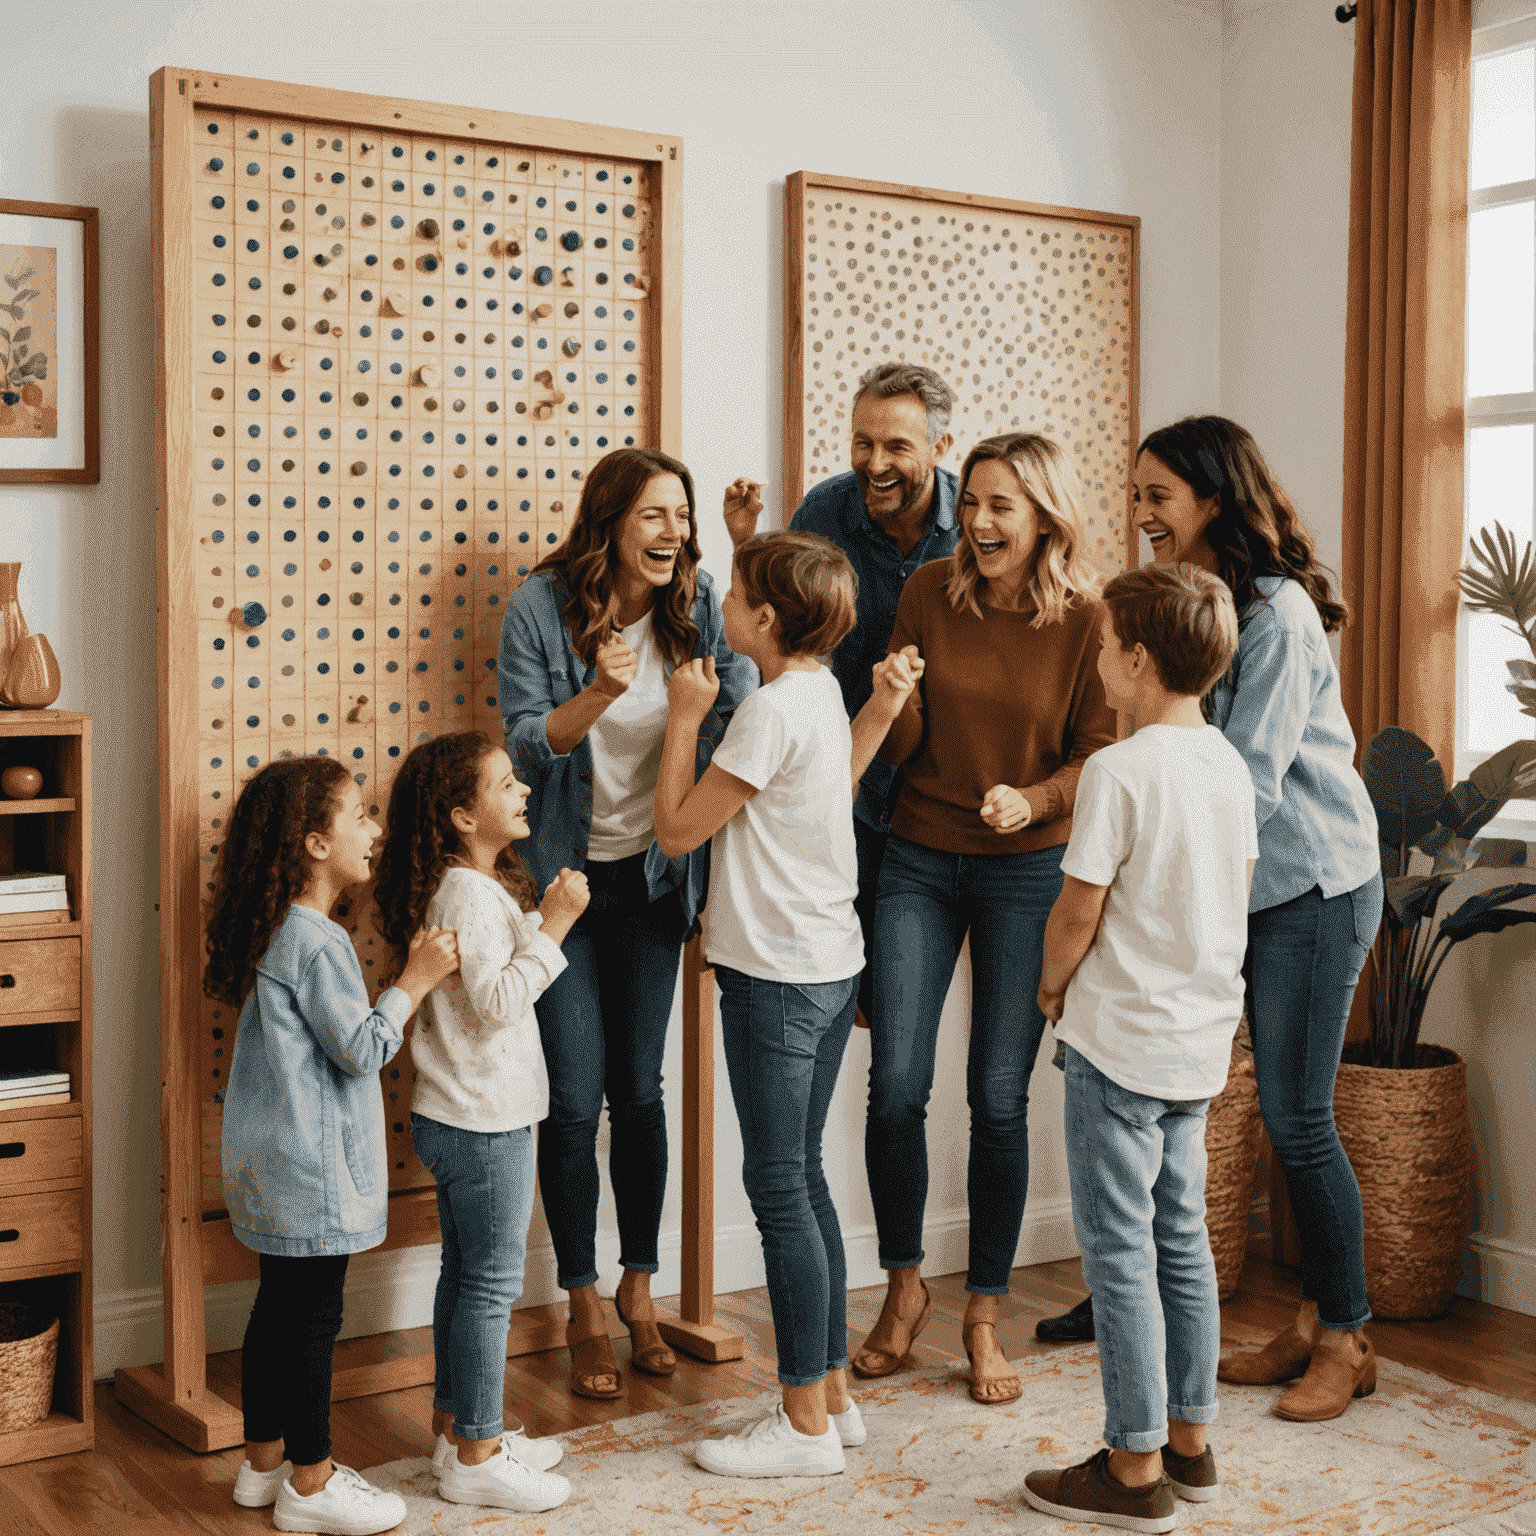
(391, 337)
(1028, 312)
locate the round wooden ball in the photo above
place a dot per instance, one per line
(21, 783)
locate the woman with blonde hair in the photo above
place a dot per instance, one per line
(991, 744)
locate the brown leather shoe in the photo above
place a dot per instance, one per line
(1091, 1494)
(1284, 1358)
(1333, 1379)
(884, 1351)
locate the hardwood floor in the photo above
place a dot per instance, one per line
(138, 1482)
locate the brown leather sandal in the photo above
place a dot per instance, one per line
(876, 1359)
(996, 1399)
(591, 1359)
(648, 1351)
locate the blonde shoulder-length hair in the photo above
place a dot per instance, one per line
(1062, 574)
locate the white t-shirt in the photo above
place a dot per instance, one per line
(783, 869)
(479, 1063)
(1165, 819)
(626, 753)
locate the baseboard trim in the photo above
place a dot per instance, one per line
(1500, 1272)
(387, 1291)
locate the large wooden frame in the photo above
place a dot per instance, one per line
(1015, 369)
(199, 1247)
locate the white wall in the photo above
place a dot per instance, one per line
(1112, 104)
(1286, 81)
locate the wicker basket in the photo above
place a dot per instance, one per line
(1409, 1137)
(1232, 1129)
(29, 1349)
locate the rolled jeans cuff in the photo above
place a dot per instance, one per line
(1139, 1443)
(1189, 1415)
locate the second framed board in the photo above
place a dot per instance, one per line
(1028, 312)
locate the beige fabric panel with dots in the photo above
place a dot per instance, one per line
(1029, 313)
(408, 351)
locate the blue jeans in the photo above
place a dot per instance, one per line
(603, 1024)
(869, 843)
(1304, 961)
(484, 1205)
(927, 902)
(1138, 1205)
(784, 1047)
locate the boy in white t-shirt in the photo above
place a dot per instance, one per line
(1143, 980)
(784, 940)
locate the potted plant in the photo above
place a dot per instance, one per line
(1401, 1105)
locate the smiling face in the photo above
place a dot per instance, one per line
(653, 531)
(1173, 518)
(1117, 666)
(500, 800)
(1001, 523)
(349, 842)
(893, 461)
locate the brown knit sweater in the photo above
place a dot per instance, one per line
(999, 703)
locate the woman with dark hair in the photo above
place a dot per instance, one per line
(587, 647)
(977, 836)
(1204, 494)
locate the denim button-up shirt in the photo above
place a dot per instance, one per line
(835, 509)
(537, 673)
(1281, 707)
(306, 1169)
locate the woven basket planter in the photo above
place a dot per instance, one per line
(29, 1349)
(1232, 1129)
(1408, 1136)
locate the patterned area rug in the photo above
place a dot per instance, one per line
(1420, 1456)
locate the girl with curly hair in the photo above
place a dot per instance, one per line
(448, 861)
(587, 645)
(305, 1169)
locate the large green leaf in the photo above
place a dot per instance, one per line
(1450, 852)
(1498, 853)
(1495, 921)
(1457, 925)
(1405, 782)
(1413, 897)
(1510, 773)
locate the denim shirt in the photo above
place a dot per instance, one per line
(538, 671)
(306, 1168)
(1281, 707)
(835, 509)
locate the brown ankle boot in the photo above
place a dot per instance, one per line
(1284, 1358)
(1333, 1379)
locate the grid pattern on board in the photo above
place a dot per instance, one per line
(408, 351)
(1028, 317)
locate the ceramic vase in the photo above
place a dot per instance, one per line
(13, 623)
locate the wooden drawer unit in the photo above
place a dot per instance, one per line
(40, 1229)
(40, 1154)
(39, 976)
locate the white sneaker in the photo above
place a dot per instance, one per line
(503, 1482)
(849, 1425)
(255, 1490)
(543, 1455)
(348, 1505)
(773, 1447)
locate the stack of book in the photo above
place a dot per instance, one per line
(32, 1087)
(33, 898)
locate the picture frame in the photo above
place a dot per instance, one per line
(50, 372)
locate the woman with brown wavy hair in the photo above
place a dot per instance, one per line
(587, 646)
(992, 744)
(1204, 494)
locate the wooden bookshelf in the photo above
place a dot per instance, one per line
(45, 1022)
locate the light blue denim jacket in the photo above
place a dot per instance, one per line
(537, 673)
(306, 1170)
(1281, 707)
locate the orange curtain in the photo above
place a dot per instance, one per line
(1404, 367)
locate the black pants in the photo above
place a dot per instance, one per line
(285, 1362)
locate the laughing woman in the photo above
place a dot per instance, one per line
(1009, 708)
(587, 646)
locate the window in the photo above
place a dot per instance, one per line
(1501, 377)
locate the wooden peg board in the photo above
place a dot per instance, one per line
(1028, 312)
(393, 338)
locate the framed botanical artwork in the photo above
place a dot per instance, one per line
(49, 327)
